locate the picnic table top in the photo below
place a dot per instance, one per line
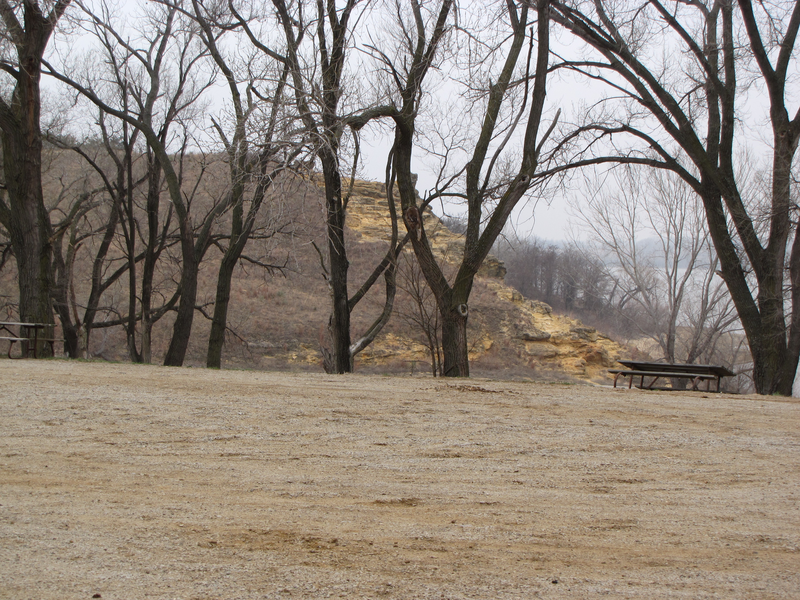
(717, 370)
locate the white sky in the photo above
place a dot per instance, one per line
(542, 220)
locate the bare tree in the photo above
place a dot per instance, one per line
(142, 75)
(318, 38)
(651, 232)
(258, 146)
(679, 111)
(490, 196)
(114, 215)
(421, 313)
(82, 213)
(27, 29)
(318, 104)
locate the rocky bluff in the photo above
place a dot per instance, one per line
(509, 332)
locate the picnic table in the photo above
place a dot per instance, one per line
(25, 333)
(655, 370)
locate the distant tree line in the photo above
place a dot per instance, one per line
(559, 275)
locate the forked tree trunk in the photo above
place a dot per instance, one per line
(482, 228)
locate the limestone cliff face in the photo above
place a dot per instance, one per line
(368, 216)
(512, 328)
(554, 341)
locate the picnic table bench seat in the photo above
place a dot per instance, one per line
(696, 373)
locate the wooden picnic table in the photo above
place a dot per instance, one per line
(25, 332)
(656, 370)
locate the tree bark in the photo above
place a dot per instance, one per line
(184, 318)
(339, 264)
(216, 339)
(454, 341)
(29, 229)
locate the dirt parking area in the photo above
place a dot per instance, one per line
(128, 482)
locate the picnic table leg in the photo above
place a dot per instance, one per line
(25, 345)
(36, 342)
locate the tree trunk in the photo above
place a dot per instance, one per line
(454, 341)
(29, 223)
(767, 370)
(182, 328)
(216, 338)
(241, 229)
(62, 273)
(69, 329)
(340, 317)
(130, 242)
(155, 242)
(30, 229)
(771, 357)
(339, 265)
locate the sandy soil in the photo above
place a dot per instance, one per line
(127, 482)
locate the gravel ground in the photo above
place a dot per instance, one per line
(127, 482)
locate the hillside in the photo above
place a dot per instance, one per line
(510, 335)
(278, 319)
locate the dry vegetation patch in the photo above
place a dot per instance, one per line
(146, 482)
